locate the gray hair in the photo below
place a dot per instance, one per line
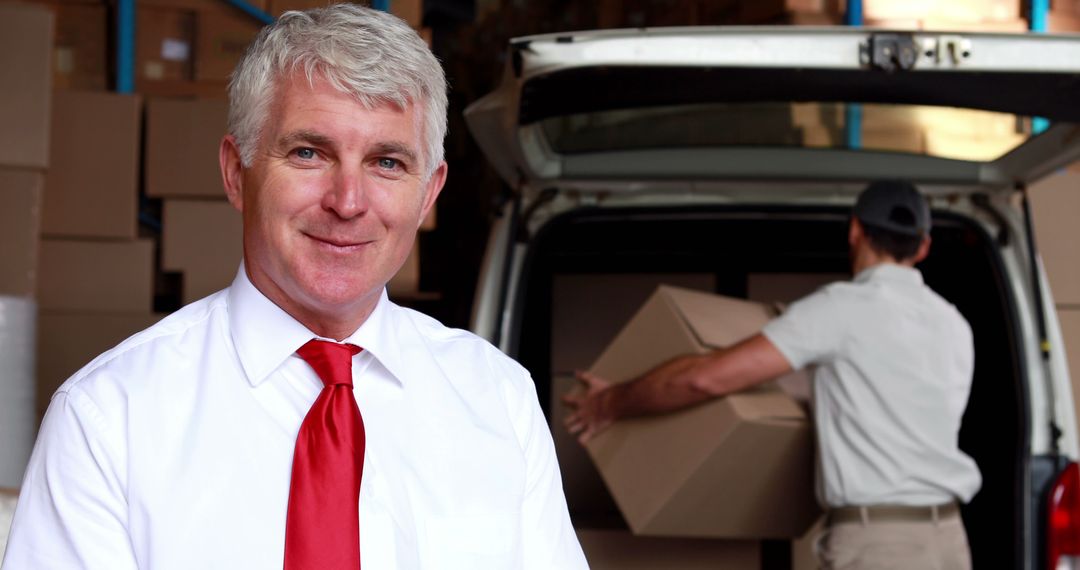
(368, 54)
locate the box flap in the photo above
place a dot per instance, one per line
(654, 334)
(717, 321)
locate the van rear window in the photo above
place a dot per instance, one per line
(964, 134)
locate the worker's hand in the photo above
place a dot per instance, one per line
(591, 409)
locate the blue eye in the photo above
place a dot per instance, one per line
(388, 163)
(305, 153)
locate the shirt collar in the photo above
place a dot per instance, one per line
(265, 335)
(890, 272)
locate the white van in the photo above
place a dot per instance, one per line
(710, 156)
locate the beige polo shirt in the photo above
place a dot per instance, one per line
(895, 365)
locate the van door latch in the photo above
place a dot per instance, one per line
(890, 52)
(947, 49)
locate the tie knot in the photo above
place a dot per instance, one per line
(331, 361)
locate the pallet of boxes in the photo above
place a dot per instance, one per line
(728, 484)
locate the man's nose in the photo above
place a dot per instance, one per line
(348, 195)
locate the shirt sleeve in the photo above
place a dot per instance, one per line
(71, 513)
(548, 538)
(808, 331)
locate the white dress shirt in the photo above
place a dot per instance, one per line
(174, 449)
(895, 364)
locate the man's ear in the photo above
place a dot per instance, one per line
(432, 188)
(924, 250)
(232, 171)
(855, 232)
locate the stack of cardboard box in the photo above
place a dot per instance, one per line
(1055, 205)
(26, 78)
(97, 273)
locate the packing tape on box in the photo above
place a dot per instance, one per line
(18, 320)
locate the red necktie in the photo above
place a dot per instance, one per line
(322, 530)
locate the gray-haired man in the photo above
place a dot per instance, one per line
(299, 418)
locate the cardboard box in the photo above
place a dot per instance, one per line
(580, 330)
(761, 11)
(68, 341)
(982, 149)
(620, 550)
(412, 11)
(96, 276)
(26, 77)
(203, 240)
(1055, 207)
(741, 466)
(164, 46)
(198, 5)
(93, 184)
(222, 37)
(182, 141)
(79, 48)
(407, 279)
(20, 224)
(954, 10)
(1062, 22)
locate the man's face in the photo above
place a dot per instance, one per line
(332, 201)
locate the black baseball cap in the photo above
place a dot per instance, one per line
(895, 206)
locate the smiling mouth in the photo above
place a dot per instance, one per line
(337, 243)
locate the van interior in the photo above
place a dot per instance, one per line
(588, 270)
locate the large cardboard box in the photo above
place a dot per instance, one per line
(741, 466)
(26, 77)
(96, 276)
(204, 240)
(165, 45)
(580, 330)
(67, 341)
(182, 141)
(79, 48)
(93, 184)
(222, 36)
(620, 550)
(1055, 207)
(20, 223)
(1069, 319)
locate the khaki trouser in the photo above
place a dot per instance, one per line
(886, 545)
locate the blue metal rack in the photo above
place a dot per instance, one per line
(125, 36)
(853, 111)
(1039, 9)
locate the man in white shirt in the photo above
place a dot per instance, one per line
(255, 428)
(894, 370)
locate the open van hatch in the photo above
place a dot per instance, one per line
(734, 103)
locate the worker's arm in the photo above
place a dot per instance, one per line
(678, 383)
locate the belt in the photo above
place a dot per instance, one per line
(892, 513)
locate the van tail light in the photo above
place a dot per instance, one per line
(1063, 524)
